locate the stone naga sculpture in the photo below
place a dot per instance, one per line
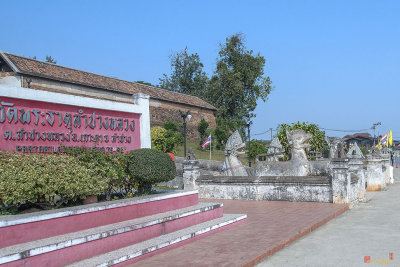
(355, 152)
(299, 142)
(298, 165)
(336, 147)
(274, 152)
(233, 166)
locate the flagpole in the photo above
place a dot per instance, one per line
(210, 145)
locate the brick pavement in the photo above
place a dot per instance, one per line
(270, 226)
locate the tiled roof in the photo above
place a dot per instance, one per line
(358, 136)
(38, 68)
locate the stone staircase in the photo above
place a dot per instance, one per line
(112, 233)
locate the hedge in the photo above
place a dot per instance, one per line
(39, 178)
(57, 179)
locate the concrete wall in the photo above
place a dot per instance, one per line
(375, 176)
(305, 189)
(206, 167)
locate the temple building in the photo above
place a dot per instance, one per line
(31, 73)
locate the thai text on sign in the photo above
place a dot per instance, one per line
(40, 127)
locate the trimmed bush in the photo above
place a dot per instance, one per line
(149, 167)
(39, 178)
(106, 167)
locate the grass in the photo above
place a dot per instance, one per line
(218, 155)
(200, 154)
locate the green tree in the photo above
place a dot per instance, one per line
(202, 128)
(221, 136)
(51, 60)
(256, 147)
(187, 75)
(317, 142)
(237, 83)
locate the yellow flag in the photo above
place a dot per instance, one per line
(390, 139)
(379, 145)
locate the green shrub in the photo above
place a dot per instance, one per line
(169, 125)
(39, 178)
(256, 147)
(165, 140)
(106, 167)
(149, 167)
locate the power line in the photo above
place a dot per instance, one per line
(349, 131)
(260, 133)
(263, 132)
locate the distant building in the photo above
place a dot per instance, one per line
(362, 139)
(164, 104)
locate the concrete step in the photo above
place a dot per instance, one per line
(17, 229)
(63, 249)
(137, 252)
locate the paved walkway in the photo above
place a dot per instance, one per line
(371, 229)
(269, 227)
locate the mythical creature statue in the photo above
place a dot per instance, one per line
(298, 165)
(299, 142)
(355, 152)
(274, 152)
(233, 166)
(336, 147)
(191, 155)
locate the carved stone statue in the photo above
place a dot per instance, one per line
(233, 166)
(274, 152)
(299, 142)
(190, 155)
(336, 146)
(298, 164)
(355, 152)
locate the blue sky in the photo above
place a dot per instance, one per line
(334, 63)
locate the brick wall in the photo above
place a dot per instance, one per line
(160, 111)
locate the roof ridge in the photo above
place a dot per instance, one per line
(115, 78)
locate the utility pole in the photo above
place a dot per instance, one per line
(373, 127)
(271, 133)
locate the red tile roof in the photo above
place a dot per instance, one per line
(51, 71)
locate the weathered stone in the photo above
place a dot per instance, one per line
(356, 169)
(340, 181)
(387, 169)
(191, 155)
(375, 176)
(233, 166)
(298, 164)
(191, 173)
(274, 150)
(355, 152)
(277, 188)
(336, 147)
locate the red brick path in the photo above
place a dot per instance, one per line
(270, 226)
